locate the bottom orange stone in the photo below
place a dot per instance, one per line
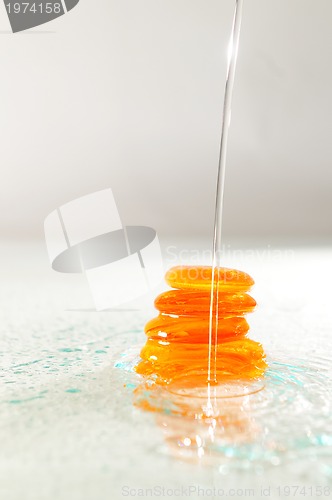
(177, 339)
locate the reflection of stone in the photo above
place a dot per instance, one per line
(200, 425)
(209, 438)
(25, 15)
(120, 263)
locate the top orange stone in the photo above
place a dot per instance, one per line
(200, 277)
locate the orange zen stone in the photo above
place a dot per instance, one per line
(178, 337)
(200, 277)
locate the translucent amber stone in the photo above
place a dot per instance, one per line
(177, 342)
(200, 277)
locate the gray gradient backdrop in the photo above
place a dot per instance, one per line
(128, 94)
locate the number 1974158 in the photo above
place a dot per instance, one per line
(34, 8)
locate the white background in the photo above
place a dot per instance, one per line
(128, 94)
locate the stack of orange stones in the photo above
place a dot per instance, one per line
(178, 338)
